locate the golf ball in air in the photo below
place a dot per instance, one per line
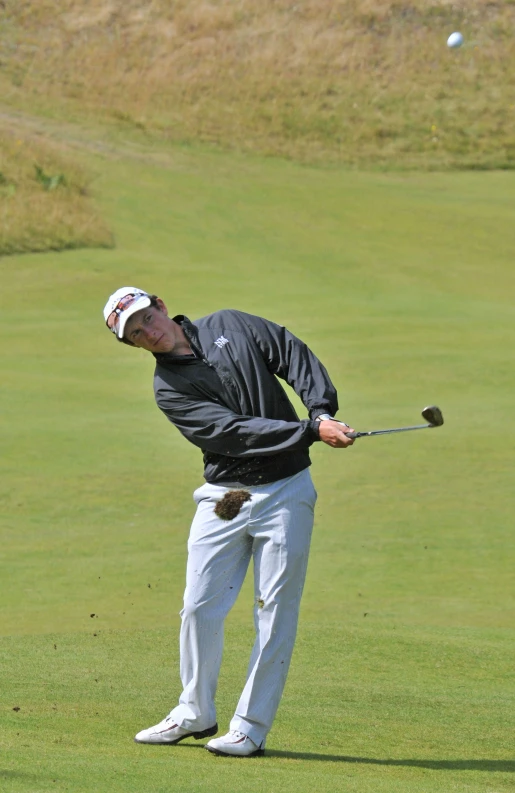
(455, 40)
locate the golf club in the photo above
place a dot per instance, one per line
(431, 414)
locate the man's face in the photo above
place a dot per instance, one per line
(152, 329)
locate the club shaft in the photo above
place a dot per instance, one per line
(388, 432)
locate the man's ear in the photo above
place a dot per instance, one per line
(161, 306)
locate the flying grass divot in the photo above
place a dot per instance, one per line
(229, 506)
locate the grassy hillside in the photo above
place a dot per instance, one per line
(367, 83)
(402, 679)
(45, 199)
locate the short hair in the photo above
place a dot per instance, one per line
(153, 304)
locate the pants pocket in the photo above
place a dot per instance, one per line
(200, 494)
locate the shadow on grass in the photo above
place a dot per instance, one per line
(490, 766)
(501, 766)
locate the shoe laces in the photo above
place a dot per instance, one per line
(238, 734)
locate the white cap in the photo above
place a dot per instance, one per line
(123, 304)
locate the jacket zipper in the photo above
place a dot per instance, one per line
(198, 352)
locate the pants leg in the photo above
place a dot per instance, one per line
(219, 553)
(281, 525)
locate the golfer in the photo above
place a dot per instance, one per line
(216, 380)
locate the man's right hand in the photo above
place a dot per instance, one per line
(333, 433)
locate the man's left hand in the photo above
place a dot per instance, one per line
(334, 434)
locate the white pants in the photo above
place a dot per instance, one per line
(274, 527)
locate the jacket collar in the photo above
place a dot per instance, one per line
(191, 332)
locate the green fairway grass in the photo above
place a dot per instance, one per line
(402, 678)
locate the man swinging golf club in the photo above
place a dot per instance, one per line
(216, 380)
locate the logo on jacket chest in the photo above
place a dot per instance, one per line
(221, 341)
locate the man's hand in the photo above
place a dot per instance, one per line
(333, 433)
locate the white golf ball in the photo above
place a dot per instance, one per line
(455, 40)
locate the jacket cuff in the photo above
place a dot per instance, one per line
(316, 412)
(315, 430)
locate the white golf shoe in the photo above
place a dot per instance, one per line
(168, 732)
(235, 744)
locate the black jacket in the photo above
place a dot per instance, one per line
(227, 400)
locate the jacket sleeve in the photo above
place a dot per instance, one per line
(291, 359)
(214, 428)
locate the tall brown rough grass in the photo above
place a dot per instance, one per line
(44, 202)
(362, 82)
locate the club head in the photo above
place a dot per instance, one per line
(433, 415)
